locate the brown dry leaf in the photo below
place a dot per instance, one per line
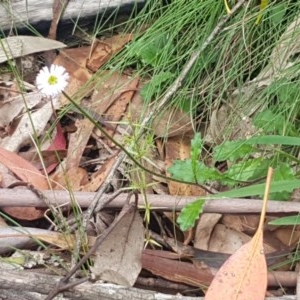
(244, 275)
(27, 173)
(20, 45)
(71, 179)
(63, 241)
(227, 240)
(118, 258)
(244, 223)
(16, 105)
(50, 157)
(117, 109)
(24, 213)
(110, 88)
(171, 122)
(22, 237)
(226, 117)
(103, 50)
(288, 235)
(7, 177)
(75, 85)
(204, 229)
(74, 61)
(98, 177)
(77, 142)
(177, 271)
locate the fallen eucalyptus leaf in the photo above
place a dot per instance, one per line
(118, 258)
(17, 46)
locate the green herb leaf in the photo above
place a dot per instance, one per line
(282, 172)
(155, 85)
(232, 150)
(196, 148)
(195, 173)
(150, 51)
(269, 121)
(248, 170)
(192, 170)
(189, 214)
(277, 13)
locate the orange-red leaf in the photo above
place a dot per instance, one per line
(243, 276)
(23, 169)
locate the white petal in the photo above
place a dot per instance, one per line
(42, 80)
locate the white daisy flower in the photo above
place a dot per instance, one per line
(53, 81)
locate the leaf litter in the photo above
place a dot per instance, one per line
(85, 163)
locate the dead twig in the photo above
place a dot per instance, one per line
(21, 198)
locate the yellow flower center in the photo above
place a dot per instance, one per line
(52, 80)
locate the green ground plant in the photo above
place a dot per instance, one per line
(247, 166)
(234, 59)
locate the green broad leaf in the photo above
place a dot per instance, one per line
(274, 122)
(149, 55)
(149, 51)
(189, 214)
(258, 189)
(196, 147)
(277, 13)
(248, 170)
(232, 150)
(288, 91)
(290, 220)
(187, 105)
(205, 174)
(283, 171)
(193, 172)
(155, 85)
(269, 121)
(182, 170)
